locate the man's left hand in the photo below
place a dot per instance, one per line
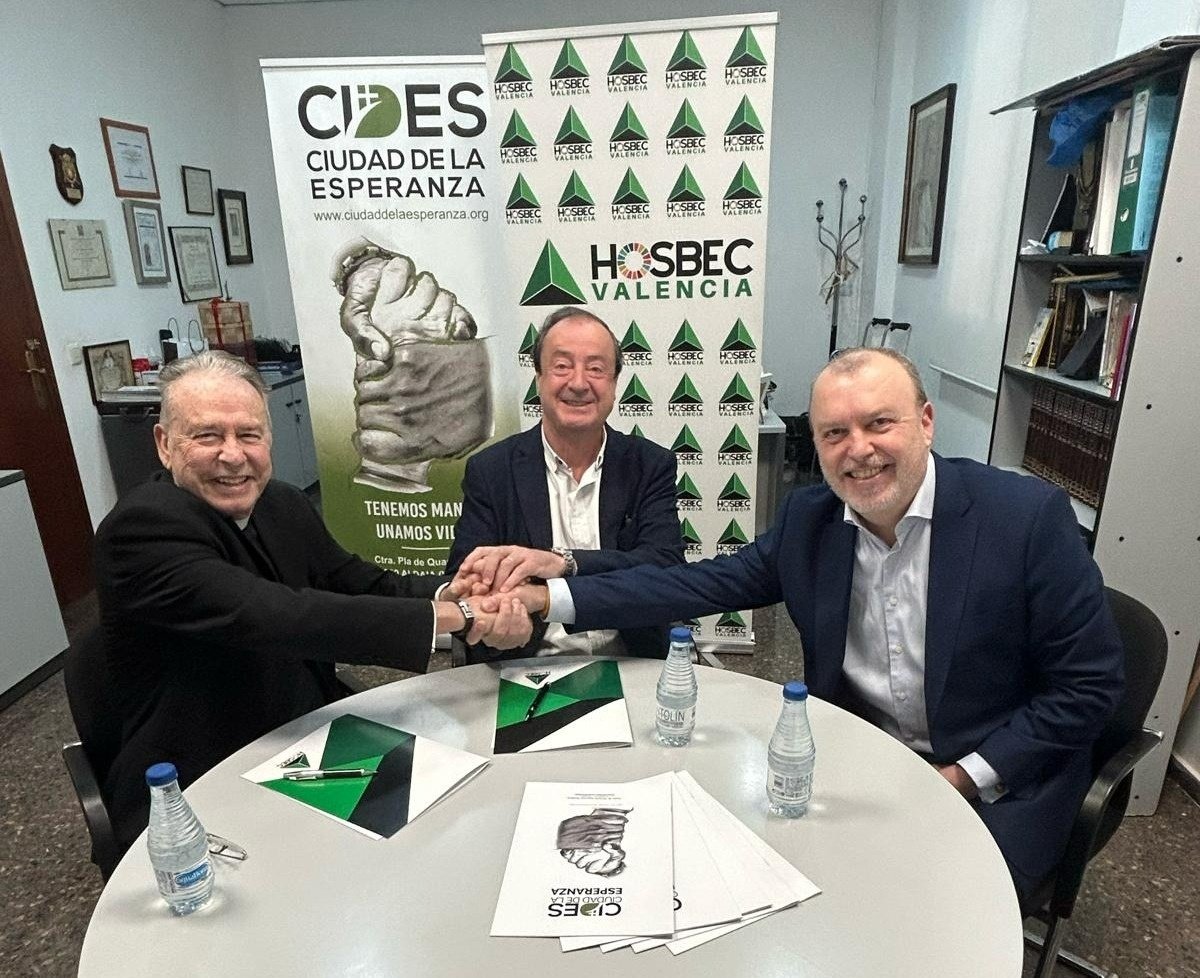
(959, 779)
(509, 627)
(503, 568)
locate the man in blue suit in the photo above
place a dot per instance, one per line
(951, 604)
(571, 496)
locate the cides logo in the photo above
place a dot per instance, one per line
(627, 73)
(512, 78)
(746, 64)
(375, 111)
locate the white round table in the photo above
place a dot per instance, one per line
(913, 884)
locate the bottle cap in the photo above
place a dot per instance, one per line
(795, 690)
(161, 774)
(681, 634)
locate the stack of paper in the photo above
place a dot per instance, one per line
(552, 706)
(651, 863)
(367, 775)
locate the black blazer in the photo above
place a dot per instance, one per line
(210, 640)
(506, 501)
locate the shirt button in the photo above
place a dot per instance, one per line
(897, 649)
(902, 697)
(892, 601)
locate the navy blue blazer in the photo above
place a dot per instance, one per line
(506, 501)
(1022, 659)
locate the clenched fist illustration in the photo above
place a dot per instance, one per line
(421, 389)
(593, 842)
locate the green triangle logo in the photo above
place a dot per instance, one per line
(569, 64)
(688, 532)
(575, 194)
(512, 68)
(746, 52)
(685, 392)
(522, 196)
(743, 187)
(635, 393)
(734, 489)
(685, 442)
(516, 133)
(634, 341)
(686, 488)
(527, 342)
(636, 431)
(737, 392)
(745, 120)
(686, 188)
(739, 339)
(733, 534)
(731, 619)
(686, 56)
(735, 441)
(531, 396)
(629, 127)
(627, 61)
(630, 191)
(572, 131)
(686, 124)
(551, 283)
(383, 118)
(685, 340)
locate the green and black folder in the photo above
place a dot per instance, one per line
(553, 706)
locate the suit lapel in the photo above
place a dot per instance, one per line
(951, 552)
(831, 598)
(529, 477)
(614, 488)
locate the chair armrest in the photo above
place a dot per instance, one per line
(105, 853)
(1095, 817)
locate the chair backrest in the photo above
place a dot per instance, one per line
(1145, 642)
(92, 701)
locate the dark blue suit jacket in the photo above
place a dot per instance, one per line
(506, 501)
(1022, 660)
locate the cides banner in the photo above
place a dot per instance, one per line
(634, 161)
(387, 187)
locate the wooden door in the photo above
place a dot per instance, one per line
(33, 429)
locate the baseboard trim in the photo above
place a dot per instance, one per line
(1188, 779)
(34, 679)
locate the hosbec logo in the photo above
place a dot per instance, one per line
(682, 269)
(512, 79)
(687, 495)
(573, 141)
(685, 400)
(686, 69)
(372, 111)
(569, 75)
(745, 133)
(628, 139)
(522, 206)
(686, 135)
(735, 449)
(630, 203)
(635, 348)
(731, 625)
(576, 204)
(635, 401)
(517, 144)
(746, 64)
(627, 73)
(686, 448)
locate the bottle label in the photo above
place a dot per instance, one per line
(177, 882)
(669, 719)
(790, 788)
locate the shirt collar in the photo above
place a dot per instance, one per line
(920, 508)
(555, 464)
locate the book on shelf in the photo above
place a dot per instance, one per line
(1037, 337)
(1115, 134)
(1145, 159)
(1119, 319)
(1069, 441)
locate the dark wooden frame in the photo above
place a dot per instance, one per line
(184, 286)
(119, 347)
(187, 202)
(239, 197)
(105, 126)
(942, 95)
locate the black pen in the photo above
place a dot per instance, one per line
(327, 774)
(537, 699)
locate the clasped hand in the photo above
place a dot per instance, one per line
(496, 573)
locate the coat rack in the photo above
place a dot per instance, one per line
(839, 245)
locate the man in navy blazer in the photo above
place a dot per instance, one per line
(954, 605)
(571, 496)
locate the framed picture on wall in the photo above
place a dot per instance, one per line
(109, 367)
(925, 171)
(235, 227)
(147, 242)
(195, 263)
(197, 190)
(130, 159)
(82, 253)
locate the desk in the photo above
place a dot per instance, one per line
(913, 884)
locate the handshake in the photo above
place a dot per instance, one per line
(501, 586)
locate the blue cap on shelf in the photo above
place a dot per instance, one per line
(795, 690)
(681, 634)
(160, 774)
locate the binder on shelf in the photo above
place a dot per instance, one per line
(1116, 132)
(1150, 122)
(1118, 321)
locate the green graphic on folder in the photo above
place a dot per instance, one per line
(554, 706)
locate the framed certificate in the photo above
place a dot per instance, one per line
(130, 159)
(195, 263)
(147, 242)
(82, 253)
(197, 190)
(235, 227)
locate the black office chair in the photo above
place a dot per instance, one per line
(89, 758)
(1122, 744)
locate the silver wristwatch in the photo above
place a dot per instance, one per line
(568, 559)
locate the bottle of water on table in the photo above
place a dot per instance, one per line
(676, 715)
(790, 756)
(177, 843)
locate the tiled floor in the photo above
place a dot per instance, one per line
(1138, 914)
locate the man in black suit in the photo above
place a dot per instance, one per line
(225, 602)
(571, 495)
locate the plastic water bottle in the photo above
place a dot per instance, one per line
(676, 715)
(177, 843)
(790, 756)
